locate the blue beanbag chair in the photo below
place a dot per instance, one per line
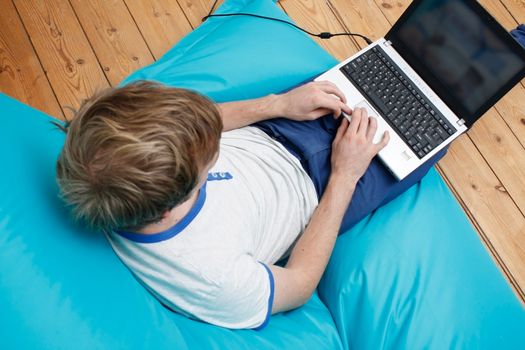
(402, 278)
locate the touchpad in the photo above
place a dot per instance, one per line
(381, 124)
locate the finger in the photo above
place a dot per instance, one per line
(363, 124)
(356, 120)
(384, 141)
(372, 128)
(331, 88)
(319, 112)
(346, 114)
(342, 129)
(346, 108)
(333, 104)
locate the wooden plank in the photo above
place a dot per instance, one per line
(21, 75)
(516, 8)
(502, 224)
(114, 36)
(512, 106)
(512, 110)
(361, 16)
(316, 16)
(63, 49)
(392, 9)
(195, 10)
(504, 153)
(161, 22)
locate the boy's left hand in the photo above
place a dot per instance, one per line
(311, 101)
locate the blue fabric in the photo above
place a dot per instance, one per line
(311, 143)
(519, 34)
(270, 299)
(402, 278)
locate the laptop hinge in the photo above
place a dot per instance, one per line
(388, 43)
(460, 122)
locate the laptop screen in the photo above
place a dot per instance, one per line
(465, 56)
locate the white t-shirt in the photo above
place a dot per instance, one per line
(213, 264)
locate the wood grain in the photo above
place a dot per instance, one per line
(316, 16)
(504, 153)
(516, 8)
(512, 106)
(21, 75)
(512, 109)
(195, 10)
(114, 36)
(393, 9)
(161, 22)
(361, 16)
(72, 68)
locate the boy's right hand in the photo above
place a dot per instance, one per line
(353, 148)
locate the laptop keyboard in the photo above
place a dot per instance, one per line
(399, 101)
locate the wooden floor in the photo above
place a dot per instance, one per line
(55, 53)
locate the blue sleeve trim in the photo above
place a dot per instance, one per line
(172, 231)
(270, 299)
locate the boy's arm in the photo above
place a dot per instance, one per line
(307, 102)
(352, 151)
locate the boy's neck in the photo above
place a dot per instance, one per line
(172, 217)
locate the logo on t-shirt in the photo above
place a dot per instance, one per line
(219, 176)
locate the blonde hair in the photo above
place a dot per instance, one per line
(133, 152)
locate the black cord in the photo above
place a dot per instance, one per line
(211, 10)
(323, 35)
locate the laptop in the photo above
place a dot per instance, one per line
(437, 71)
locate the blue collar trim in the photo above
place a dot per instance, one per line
(172, 231)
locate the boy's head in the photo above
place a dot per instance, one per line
(134, 152)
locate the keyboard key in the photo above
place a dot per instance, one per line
(441, 132)
(378, 103)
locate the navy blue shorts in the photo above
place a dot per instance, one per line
(311, 143)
